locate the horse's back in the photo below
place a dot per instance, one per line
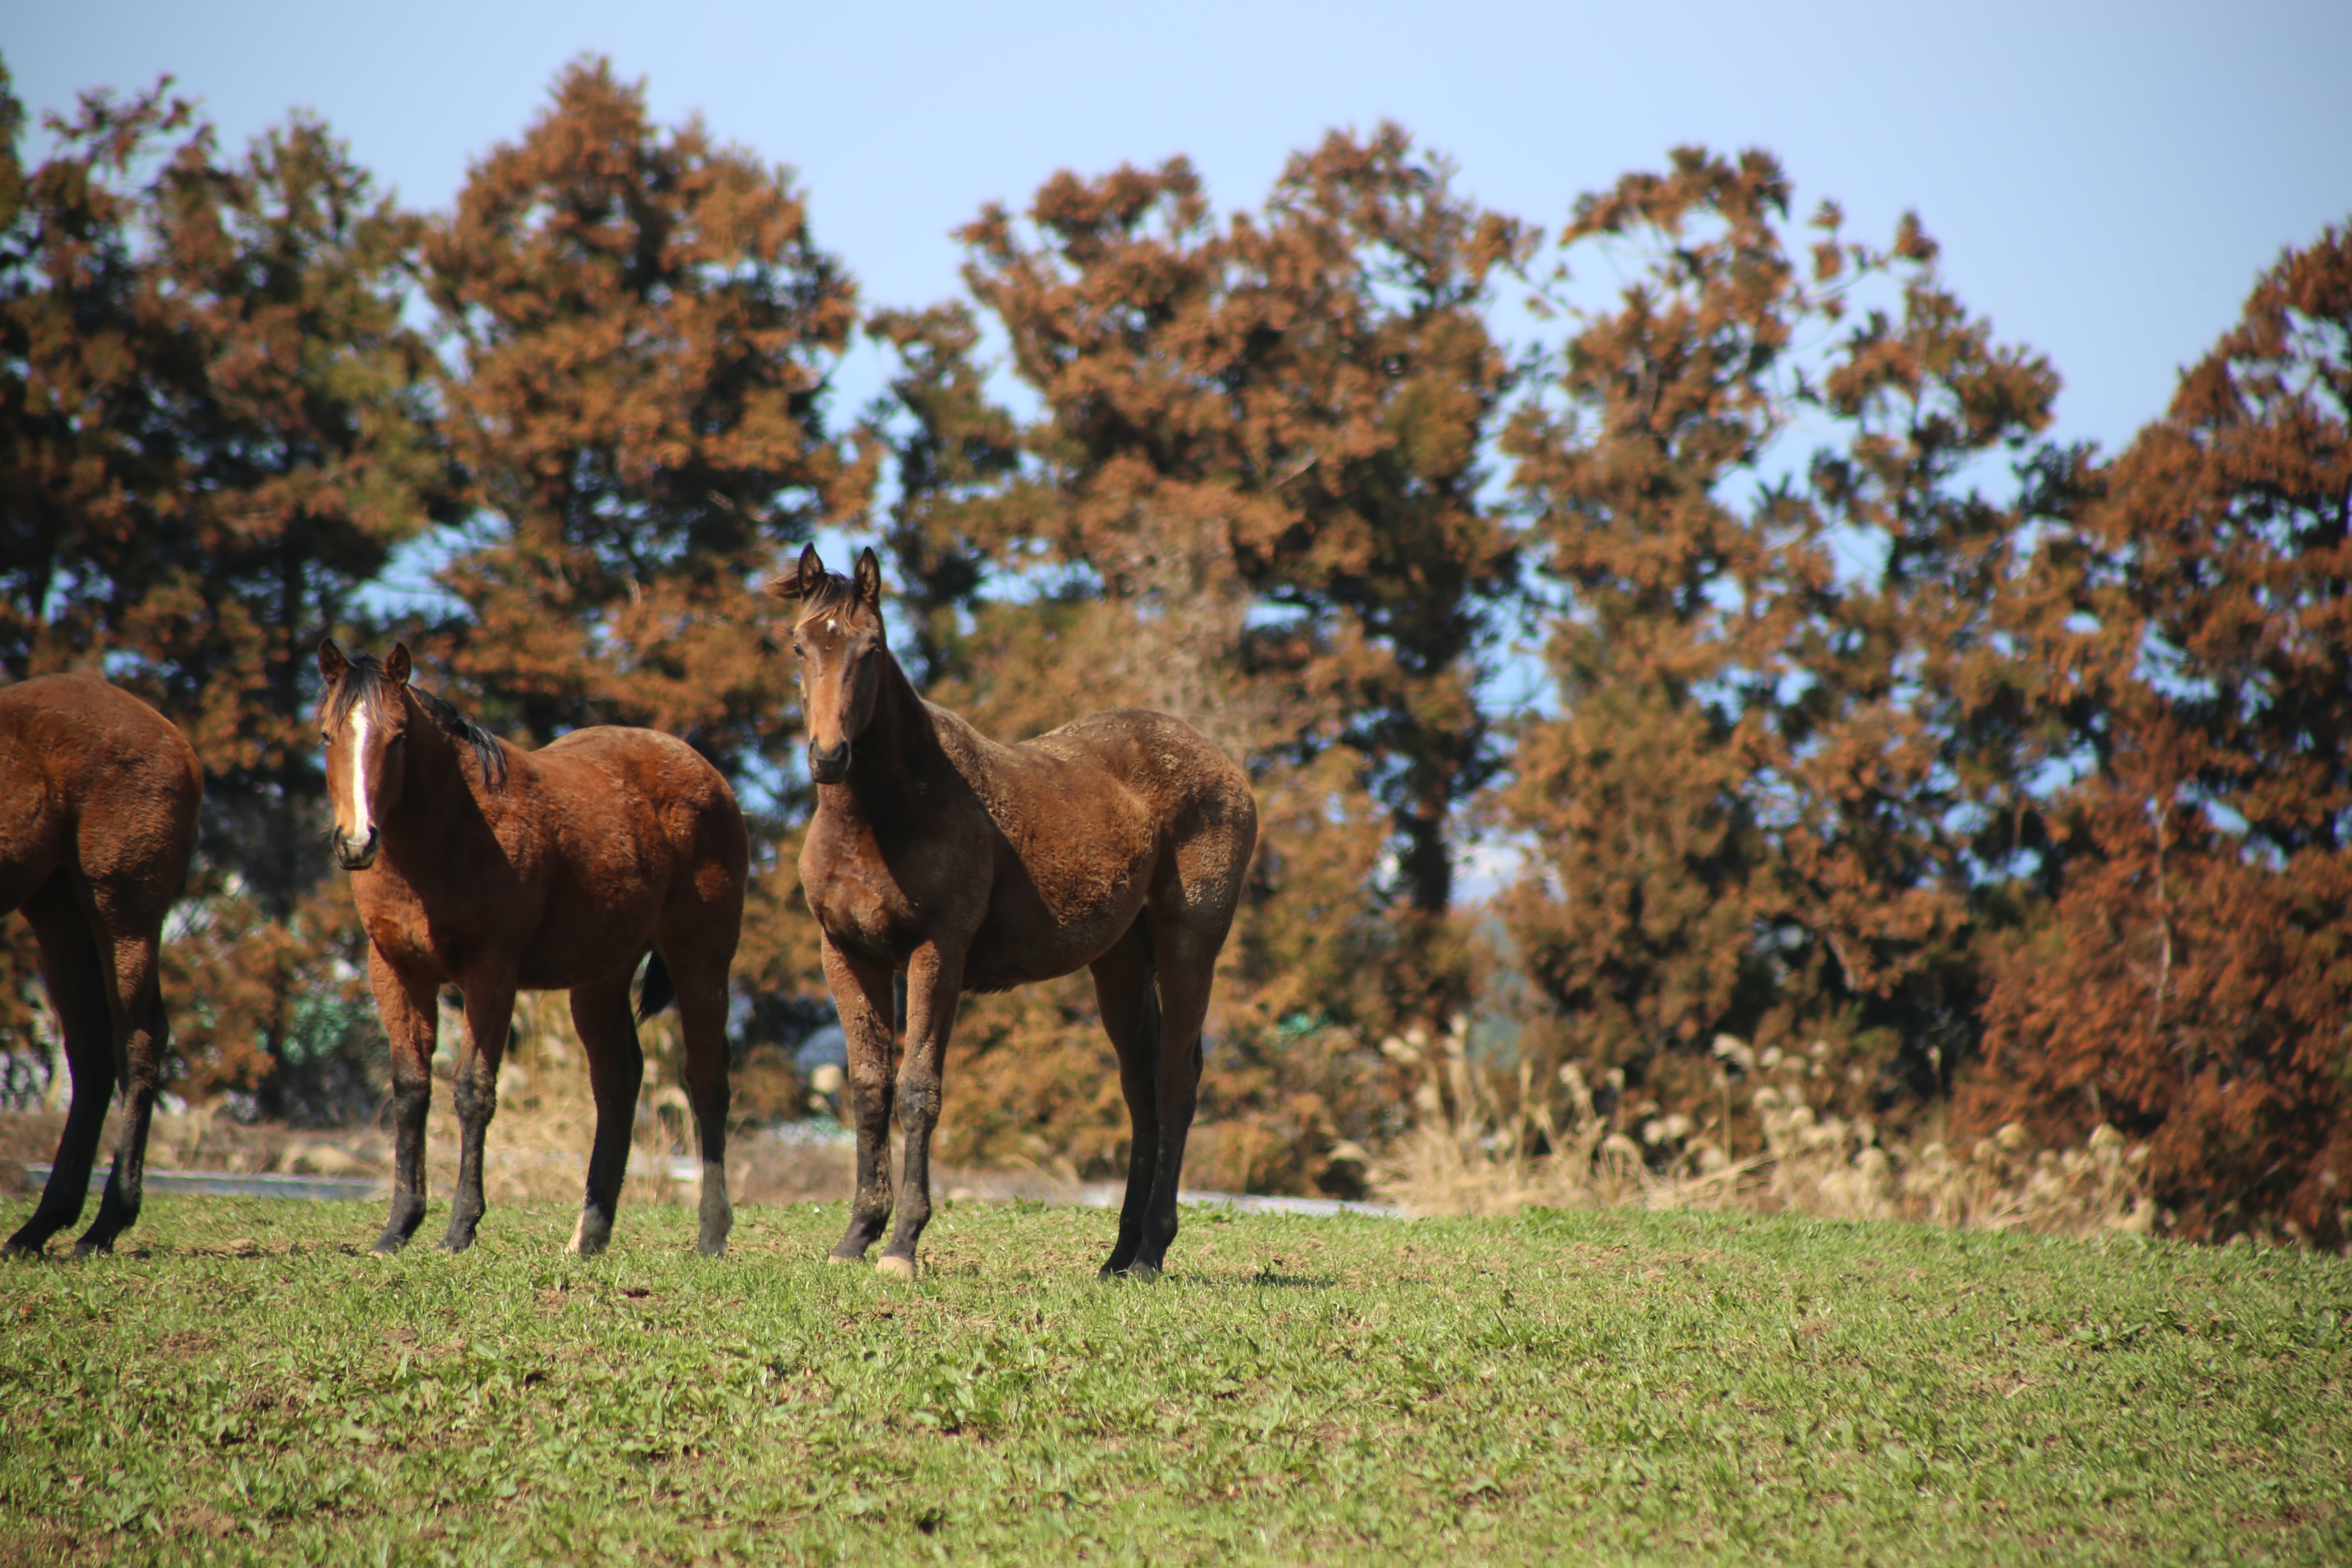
(621, 790)
(91, 775)
(1181, 780)
(1101, 815)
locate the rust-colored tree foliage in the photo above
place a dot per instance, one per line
(1877, 729)
(215, 433)
(2193, 986)
(1251, 499)
(1759, 810)
(642, 329)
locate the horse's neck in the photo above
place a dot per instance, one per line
(893, 763)
(435, 793)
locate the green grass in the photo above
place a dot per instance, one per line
(1614, 1386)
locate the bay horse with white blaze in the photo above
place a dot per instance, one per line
(1116, 844)
(99, 796)
(479, 865)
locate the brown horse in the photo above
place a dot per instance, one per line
(1118, 843)
(479, 865)
(97, 813)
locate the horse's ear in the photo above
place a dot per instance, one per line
(801, 582)
(396, 666)
(869, 579)
(331, 662)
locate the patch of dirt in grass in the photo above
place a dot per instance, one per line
(185, 1344)
(26, 1545)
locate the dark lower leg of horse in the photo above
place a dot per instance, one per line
(702, 1016)
(410, 1102)
(78, 990)
(1184, 1000)
(475, 1096)
(1159, 1226)
(1127, 993)
(616, 1072)
(870, 1204)
(126, 1188)
(919, 1115)
(934, 983)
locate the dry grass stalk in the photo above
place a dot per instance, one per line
(1490, 1142)
(537, 1150)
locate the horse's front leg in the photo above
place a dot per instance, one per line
(861, 994)
(934, 983)
(489, 1014)
(410, 1010)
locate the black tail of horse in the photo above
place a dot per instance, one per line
(659, 990)
(1147, 1026)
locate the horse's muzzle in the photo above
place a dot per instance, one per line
(828, 767)
(355, 857)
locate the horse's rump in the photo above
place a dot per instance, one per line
(91, 776)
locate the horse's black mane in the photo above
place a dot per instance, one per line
(364, 680)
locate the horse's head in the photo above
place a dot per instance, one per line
(839, 643)
(364, 718)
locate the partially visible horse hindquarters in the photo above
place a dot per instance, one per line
(99, 796)
(916, 809)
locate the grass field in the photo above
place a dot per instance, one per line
(243, 1384)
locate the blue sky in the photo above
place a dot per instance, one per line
(2106, 179)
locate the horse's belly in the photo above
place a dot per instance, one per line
(584, 947)
(1000, 959)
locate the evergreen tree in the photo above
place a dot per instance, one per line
(641, 329)
(1765, 807)
(214, 429)
(2192, 986)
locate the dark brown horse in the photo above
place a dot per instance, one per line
(1118, 843)
(97, 813)
(479, 865)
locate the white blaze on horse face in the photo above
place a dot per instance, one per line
(358, 831)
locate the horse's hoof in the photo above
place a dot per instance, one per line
(837, 1258)
(1141, 1273)
(712, 1248)
(894, 1265)
(387, 1246)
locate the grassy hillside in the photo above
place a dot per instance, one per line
(1627, 1387)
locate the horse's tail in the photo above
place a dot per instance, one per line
(1147, 1023)
(659, 991)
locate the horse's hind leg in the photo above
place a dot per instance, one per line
(702, 1020)
(1129, 998)
(616, 1072)
(1188, 959)
(861, 994)
(135, 1003)
(75, 973)
(490, 1016)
